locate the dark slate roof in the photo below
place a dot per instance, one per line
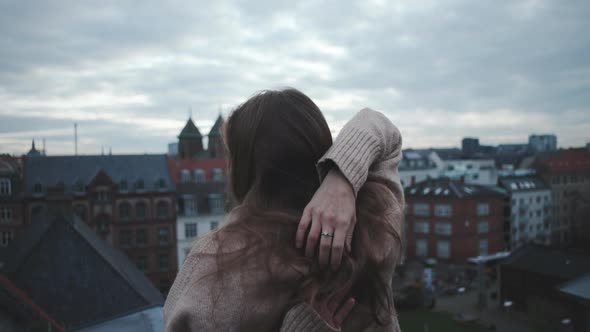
(190, 130)
(216, 129)
(578, 288)
(49, 171)
(78, 278)
(145, 320)
(448, 188)
(564, 264)
(522, 183)
(20, 307)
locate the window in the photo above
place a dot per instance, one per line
(123, 185)
(140, 210)
(483, 247)
(190, 230)
(514, 202)
(37, 209)
(161, 184)
(38, 189)
(442, 249)
(162, 210)
(80, 211)
(5, 214)
(217, 174)
(421, 227)
(163, 236)
(483, 209)
(139, 185)
(443, 228)
(125, 237)
(5, 188)
(216, 203)
(442, 210)
(102, 196)
(79, 187)
(164, 262)
(421, 209)
(142, 263)
(141, 236)
(6, 237)
(538, 199)
(214, 224)
(483, 227)
(124, 211)
(190, 208)
(421, 248)
(185, 176)
(199, 175)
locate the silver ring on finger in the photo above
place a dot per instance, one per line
(327, 234)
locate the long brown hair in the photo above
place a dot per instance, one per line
(273, 141)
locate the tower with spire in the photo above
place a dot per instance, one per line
(34, 152)
(215, 146)
(190, 141)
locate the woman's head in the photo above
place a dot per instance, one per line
(274, 140)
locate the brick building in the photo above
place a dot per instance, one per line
(453, 221)
(567, 172)
(128, 200)
(199, 178)
(11, 201)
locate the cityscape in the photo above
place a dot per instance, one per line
(113, 163)
(502, 228)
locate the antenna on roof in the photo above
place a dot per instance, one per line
(110, 150)
(75, 138)
(190, 112)
(44, 153)
(102, 150)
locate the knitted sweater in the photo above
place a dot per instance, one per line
(369, 146)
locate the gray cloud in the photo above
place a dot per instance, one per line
(129, 71)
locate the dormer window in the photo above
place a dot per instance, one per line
(217, 174)
(139, 185)
(123, 185)
(5, 187)
(38, 189)
(79, 187)
(199, 175)
(185, 176)
(161, 184)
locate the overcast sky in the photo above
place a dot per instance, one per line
(128, 71)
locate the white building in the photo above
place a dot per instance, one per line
(416, 167)
(472, 171)
(530, 201)
(192, 225)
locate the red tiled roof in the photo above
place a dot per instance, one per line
(175, 165)
(15, 291)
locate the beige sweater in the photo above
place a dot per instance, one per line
(368, 146)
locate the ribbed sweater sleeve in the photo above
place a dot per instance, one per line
(368, 142)
(302, 318)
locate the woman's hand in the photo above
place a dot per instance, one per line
(332, 215)
(334, 310)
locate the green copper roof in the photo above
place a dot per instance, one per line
(190, 131)
(216, 130)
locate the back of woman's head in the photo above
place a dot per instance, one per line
(274, 140)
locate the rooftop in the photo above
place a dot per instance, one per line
(448, 188)
(190, 130)
(78, 171)
(578, 288)
(564, 264)
(522, 183)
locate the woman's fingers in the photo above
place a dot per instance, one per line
(312, 237)
(343, 312)
(337, 248)
(326, 237)
(302, 228)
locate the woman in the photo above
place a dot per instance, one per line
(248, 275)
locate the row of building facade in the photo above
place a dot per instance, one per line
(150, 207)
